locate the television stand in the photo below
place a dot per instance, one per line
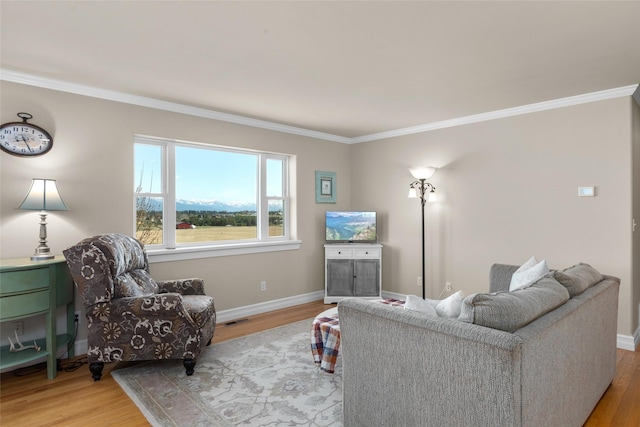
(352, 270)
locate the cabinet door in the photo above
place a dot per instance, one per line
(366, 278)
(339, 277)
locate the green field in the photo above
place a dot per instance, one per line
(210, 234)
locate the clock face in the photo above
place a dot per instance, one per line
(24, 139)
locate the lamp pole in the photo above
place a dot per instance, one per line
(422, 187)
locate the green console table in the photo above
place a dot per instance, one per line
(29, 288)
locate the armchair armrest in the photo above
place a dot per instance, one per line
(157, 307)
(192, 286)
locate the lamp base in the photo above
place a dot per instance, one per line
(36, 257)
(42, 253)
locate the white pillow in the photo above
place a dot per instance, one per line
(450, 306)
(415, 303)
(527, 273)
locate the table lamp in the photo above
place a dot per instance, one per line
(43, 196)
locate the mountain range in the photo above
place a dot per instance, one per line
(214, 205)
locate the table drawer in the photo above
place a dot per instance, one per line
(23, 280)
(24, 304)
(368, 253)
(339, 253)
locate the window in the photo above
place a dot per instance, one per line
(197, 197)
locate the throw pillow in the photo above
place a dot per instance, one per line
(578, 278)
(415, 303)
(450, 306)
(528, 273)
(510, 311)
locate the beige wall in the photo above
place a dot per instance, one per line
(507, 190)
(92, 159)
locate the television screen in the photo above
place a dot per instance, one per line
(351, 227)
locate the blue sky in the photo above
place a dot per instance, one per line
(206, 175)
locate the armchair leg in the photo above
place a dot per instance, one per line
(189, 365)
(96, 370)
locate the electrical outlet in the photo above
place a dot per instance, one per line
(448, 287)
(18, 327)
(419, 281)
(263, 286)
(78, 317)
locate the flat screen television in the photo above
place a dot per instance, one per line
(350, 227)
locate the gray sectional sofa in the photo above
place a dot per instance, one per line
(548, 366)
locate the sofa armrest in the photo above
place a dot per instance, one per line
(192, 286)
(406, 365)
(500, 277)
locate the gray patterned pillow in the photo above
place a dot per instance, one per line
(510, 311)
(578, 278)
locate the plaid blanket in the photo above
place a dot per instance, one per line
(325, 337)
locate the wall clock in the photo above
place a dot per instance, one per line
(24, 139)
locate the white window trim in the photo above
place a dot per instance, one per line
(176, 252)
(199, 252)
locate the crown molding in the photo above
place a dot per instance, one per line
(78, 89)
(142, 101)
(507, 112)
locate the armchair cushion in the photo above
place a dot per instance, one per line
(134, 283)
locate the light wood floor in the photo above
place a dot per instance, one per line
(74, 399)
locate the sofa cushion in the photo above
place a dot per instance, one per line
(529, 272)
(578, 278)
(509, 311)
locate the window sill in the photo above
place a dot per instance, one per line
(181, 254)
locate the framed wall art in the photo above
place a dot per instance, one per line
(325, 187)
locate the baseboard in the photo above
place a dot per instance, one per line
(624, 342)
(263, 307)
(80, 347)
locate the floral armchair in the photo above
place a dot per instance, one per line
(129, 315)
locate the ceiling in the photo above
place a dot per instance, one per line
(345, 68)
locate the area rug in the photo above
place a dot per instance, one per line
(264, 379)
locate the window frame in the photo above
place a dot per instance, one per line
(170, 250)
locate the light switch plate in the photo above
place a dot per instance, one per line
(586, 191)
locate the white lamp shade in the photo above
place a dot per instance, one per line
(412, 193)
(422, 172)
(43, 196)
(432, 197)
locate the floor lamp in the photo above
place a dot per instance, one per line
(427, 193)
